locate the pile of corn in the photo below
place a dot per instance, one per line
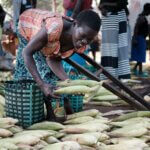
(86, 130)
(92, 90)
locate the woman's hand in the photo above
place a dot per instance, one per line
(48, 90)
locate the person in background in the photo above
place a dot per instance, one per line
(141, 31)
(19, 6)
(114, 45)
(45, 41)
(5, 64)
(73, 7)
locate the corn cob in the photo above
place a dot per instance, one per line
(47, 125)
(84, 147)
(15, 129)
(86, 127)
(83, 139)
(106, 98)
(4, 145)
(79, 89)
(131, 121)
(51, 140)
(37, 133)
(132, 115)
(129, 131)
(89, 83)
(68, 145)
(79, 120)
(5, 133)
(91, 112)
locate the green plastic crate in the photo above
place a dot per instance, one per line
(76, 102)
(24, 101)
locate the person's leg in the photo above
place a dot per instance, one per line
(140, 68)
(135, 67)
(67, 106)
(123, 51)
(109, 45)
(50, 113)
(94, 55)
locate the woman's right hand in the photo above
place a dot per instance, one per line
(48, 90)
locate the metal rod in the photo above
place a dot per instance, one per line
(117, 82)
(126, 98)
(83, 70)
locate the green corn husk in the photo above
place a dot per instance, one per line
(136, 130)
(105, 98)
(83, 139)
(89, 83)
(68, 145)
(132, 121)
(51, 140)
(36, 133)
(46, 125)
(79, 120)
(132, 115)
(91, 112)
(126, 144)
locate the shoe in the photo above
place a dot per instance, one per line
(143, 75)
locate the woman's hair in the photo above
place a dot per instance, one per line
(89, 18)
(2, 15)
(146, 9)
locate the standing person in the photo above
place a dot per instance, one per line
(114, 45)
(5, 63)
(45, 39)
(19, 6)
(73, 7)
(141, 31)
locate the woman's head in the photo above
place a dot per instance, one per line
(146, 9)
(2, 15)
(85, 28)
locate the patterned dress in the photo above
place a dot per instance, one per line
(114, 46)
(30, 23)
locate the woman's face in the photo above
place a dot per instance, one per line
(82, 35)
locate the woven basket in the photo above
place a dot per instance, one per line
(24, 101)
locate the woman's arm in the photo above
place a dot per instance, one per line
(77, 8)
(57, 68)
(34, 45)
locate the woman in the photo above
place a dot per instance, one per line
(114, 46)
(141, 31)
(45, 39)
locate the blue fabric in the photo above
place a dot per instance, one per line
(22, 73)
(138, 52)
(69, 12)
(2, 53)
